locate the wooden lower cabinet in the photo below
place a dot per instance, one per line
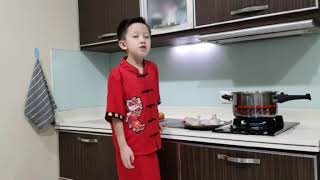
(169, 160)
(87, 157)
(215, 163)
(69, 156)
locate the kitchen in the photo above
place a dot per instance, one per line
(192, 78)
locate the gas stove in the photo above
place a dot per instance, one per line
(270, 126)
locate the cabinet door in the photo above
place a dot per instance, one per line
(212, 11)
(169, 160)
(209, 163)
(250, 8)
(265, 166)
(116, 11)
(277, 6)
(200, 163)
(218, 11)
(91, 20)
(68, 156)
(168, 16)
(87, 157)
(97, 157)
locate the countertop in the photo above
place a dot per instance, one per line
(303, 137)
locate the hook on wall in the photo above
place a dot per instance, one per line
(36, 53)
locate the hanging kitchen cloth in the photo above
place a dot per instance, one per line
(40, 106)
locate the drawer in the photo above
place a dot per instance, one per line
(209, 162)
(265, 166)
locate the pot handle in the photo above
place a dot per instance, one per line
(280, 98)
(227, 97)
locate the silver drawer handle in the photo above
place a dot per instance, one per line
(63, 178)
(238, 160)
(106, 35)
(250, 9)
(84, 140)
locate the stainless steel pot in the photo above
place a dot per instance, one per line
(259, 103)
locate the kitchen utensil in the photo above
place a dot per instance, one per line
(259, 103)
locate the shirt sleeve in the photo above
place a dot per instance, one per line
(157, 85)
(115, 98)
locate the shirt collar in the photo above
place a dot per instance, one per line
(124, 63)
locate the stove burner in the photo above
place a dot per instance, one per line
(257, 126)
(261, 125)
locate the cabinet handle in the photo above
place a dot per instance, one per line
(63, 178)
(106, 35)
(238, 160)
(84, 140)
(249, 9)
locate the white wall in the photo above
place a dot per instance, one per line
(24, 154)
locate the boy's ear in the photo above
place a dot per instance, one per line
(122, 44)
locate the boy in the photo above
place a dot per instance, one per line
(132, 105)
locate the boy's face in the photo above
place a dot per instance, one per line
(137, 40)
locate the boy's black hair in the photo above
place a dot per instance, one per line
(124, 25)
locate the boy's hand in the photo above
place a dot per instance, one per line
(127, 157)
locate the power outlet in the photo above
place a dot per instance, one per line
(224, 101)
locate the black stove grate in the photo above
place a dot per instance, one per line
(270, 126)
(260, 125)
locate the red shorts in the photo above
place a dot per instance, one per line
(146, 167)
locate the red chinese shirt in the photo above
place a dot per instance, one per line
(134, 98)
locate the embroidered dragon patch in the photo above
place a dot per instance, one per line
(135, 107)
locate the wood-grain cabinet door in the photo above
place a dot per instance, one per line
(86, 157)
(116, 11)
(277, 6)
(208, 12)
(250, 8)
(97, 157)
(244, 164)
(91, 20)
(200, 163)
(69, 156)
(211, 163)
(211, 11)
(169, 160)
